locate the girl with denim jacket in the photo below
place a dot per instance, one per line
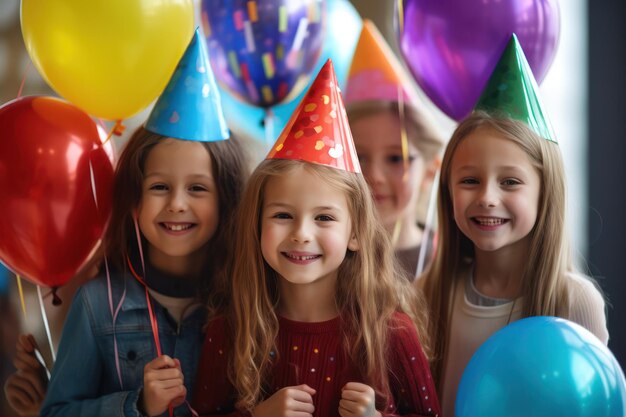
(132, 338)
(180, 194)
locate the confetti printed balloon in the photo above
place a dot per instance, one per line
(338, 45)
(263, 51)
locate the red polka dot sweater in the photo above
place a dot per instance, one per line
(311, 353)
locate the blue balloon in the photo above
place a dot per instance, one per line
(342, 34)
(542, 367)
(4, 279)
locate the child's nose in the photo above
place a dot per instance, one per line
(301, 233)
(177, 202)
(373, 172)
(488, 197)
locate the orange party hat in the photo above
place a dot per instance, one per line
(318, 131)
(376, 73)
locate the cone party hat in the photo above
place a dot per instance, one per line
(513, 91)
(190, 108)
(376, 73)
(318, 131)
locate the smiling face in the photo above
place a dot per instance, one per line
(394, 183)
(178, 212)
(305, 228)
(495, 191)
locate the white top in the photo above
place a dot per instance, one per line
(179, 308)
(472, 325)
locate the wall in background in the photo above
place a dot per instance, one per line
(607, 160)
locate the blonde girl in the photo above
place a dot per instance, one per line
(399, 184)
(503, 251)
(319, 323)
(397, 143)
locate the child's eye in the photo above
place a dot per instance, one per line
(281, 216)
(399, 159)
(158, 187)
(324, 218)
(511, 182)
(198, 188)
(468, 181)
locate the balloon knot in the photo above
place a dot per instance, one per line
(119, 128)
(56, 300)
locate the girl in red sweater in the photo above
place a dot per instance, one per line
(320, 322)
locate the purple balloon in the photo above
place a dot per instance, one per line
(452, 46)
(265, 50)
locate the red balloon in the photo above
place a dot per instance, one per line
(50, 222)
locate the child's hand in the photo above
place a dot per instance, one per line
(162, 385)
(25, 392)
(288, 402)
(358, 400)
(25, 389)
(25, 358)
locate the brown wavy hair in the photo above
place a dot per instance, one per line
(369, 273)
(229, 169)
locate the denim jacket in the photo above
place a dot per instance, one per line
(84, 379)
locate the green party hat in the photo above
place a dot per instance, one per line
(512, 90)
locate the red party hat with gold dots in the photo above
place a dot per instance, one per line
(318, 131)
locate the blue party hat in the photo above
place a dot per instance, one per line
(190, 108)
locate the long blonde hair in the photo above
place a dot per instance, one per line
(369, 289)
(544, 279)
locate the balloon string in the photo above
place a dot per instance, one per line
(44, 316)
(395, 235)
(102, 124)
(21, 292)
(19, 92)
(153, 319)
(403, 134)
(269, 127)
(405, 156)
(428, 226)
(400, 16)
(139, 245)
(116, 130)
(93, 185)
(114, 313)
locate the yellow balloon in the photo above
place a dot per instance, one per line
(111, 58)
